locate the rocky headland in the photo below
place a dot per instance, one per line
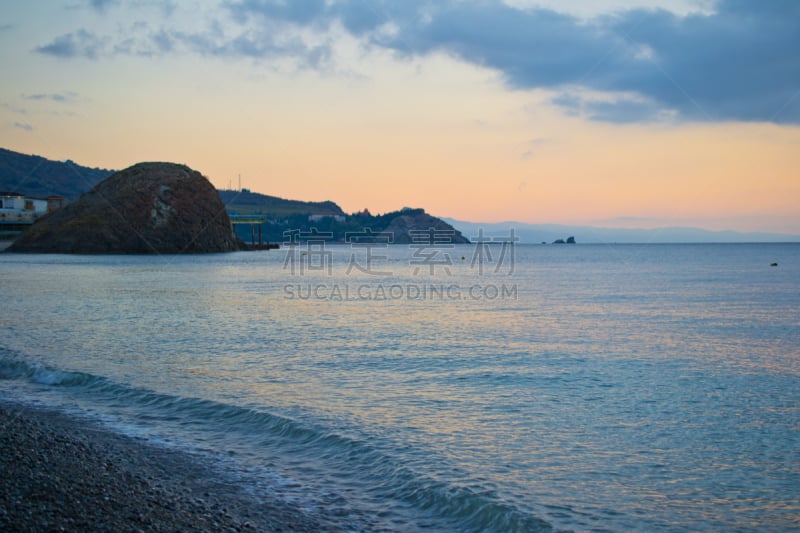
(413, 225)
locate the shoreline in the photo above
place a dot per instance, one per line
(60, 472)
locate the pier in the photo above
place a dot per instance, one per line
(255, 221)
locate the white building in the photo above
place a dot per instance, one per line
(15, 207)
(317, 218)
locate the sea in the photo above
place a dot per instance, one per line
(496, 386)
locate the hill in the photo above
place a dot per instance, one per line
(246, 202)
(35, 176)
(286, 216)
(147, 208)
(396, 227)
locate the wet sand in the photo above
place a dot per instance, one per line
(61, 473)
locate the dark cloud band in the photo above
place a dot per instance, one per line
(739, 62)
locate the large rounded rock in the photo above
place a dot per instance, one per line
(147, 208)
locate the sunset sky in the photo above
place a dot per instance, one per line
(625, 113)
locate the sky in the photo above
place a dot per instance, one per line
(618, 113)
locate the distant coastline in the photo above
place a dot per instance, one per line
(538, 233)
(273, 220)
(70, 180)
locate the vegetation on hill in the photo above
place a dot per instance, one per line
(396, 227)
(246, 202)
(288, 220)
(35, 176)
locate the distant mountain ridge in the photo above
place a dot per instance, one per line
(538, 233)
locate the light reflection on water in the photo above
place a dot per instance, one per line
(624, 387)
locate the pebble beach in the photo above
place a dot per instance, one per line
(62, 473)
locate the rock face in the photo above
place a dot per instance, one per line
(147, 208)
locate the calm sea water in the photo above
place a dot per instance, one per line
(535, 388)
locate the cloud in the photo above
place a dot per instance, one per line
(142, 40)
(6, 27)
(81, 43)
(736, 60)
(533, 146)
(165, 7)
(63, 97)
(302, 12)
(14, 109)
(615, 107)
(23, 126)
(739, 62)
(163, 41)
(101, 5)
